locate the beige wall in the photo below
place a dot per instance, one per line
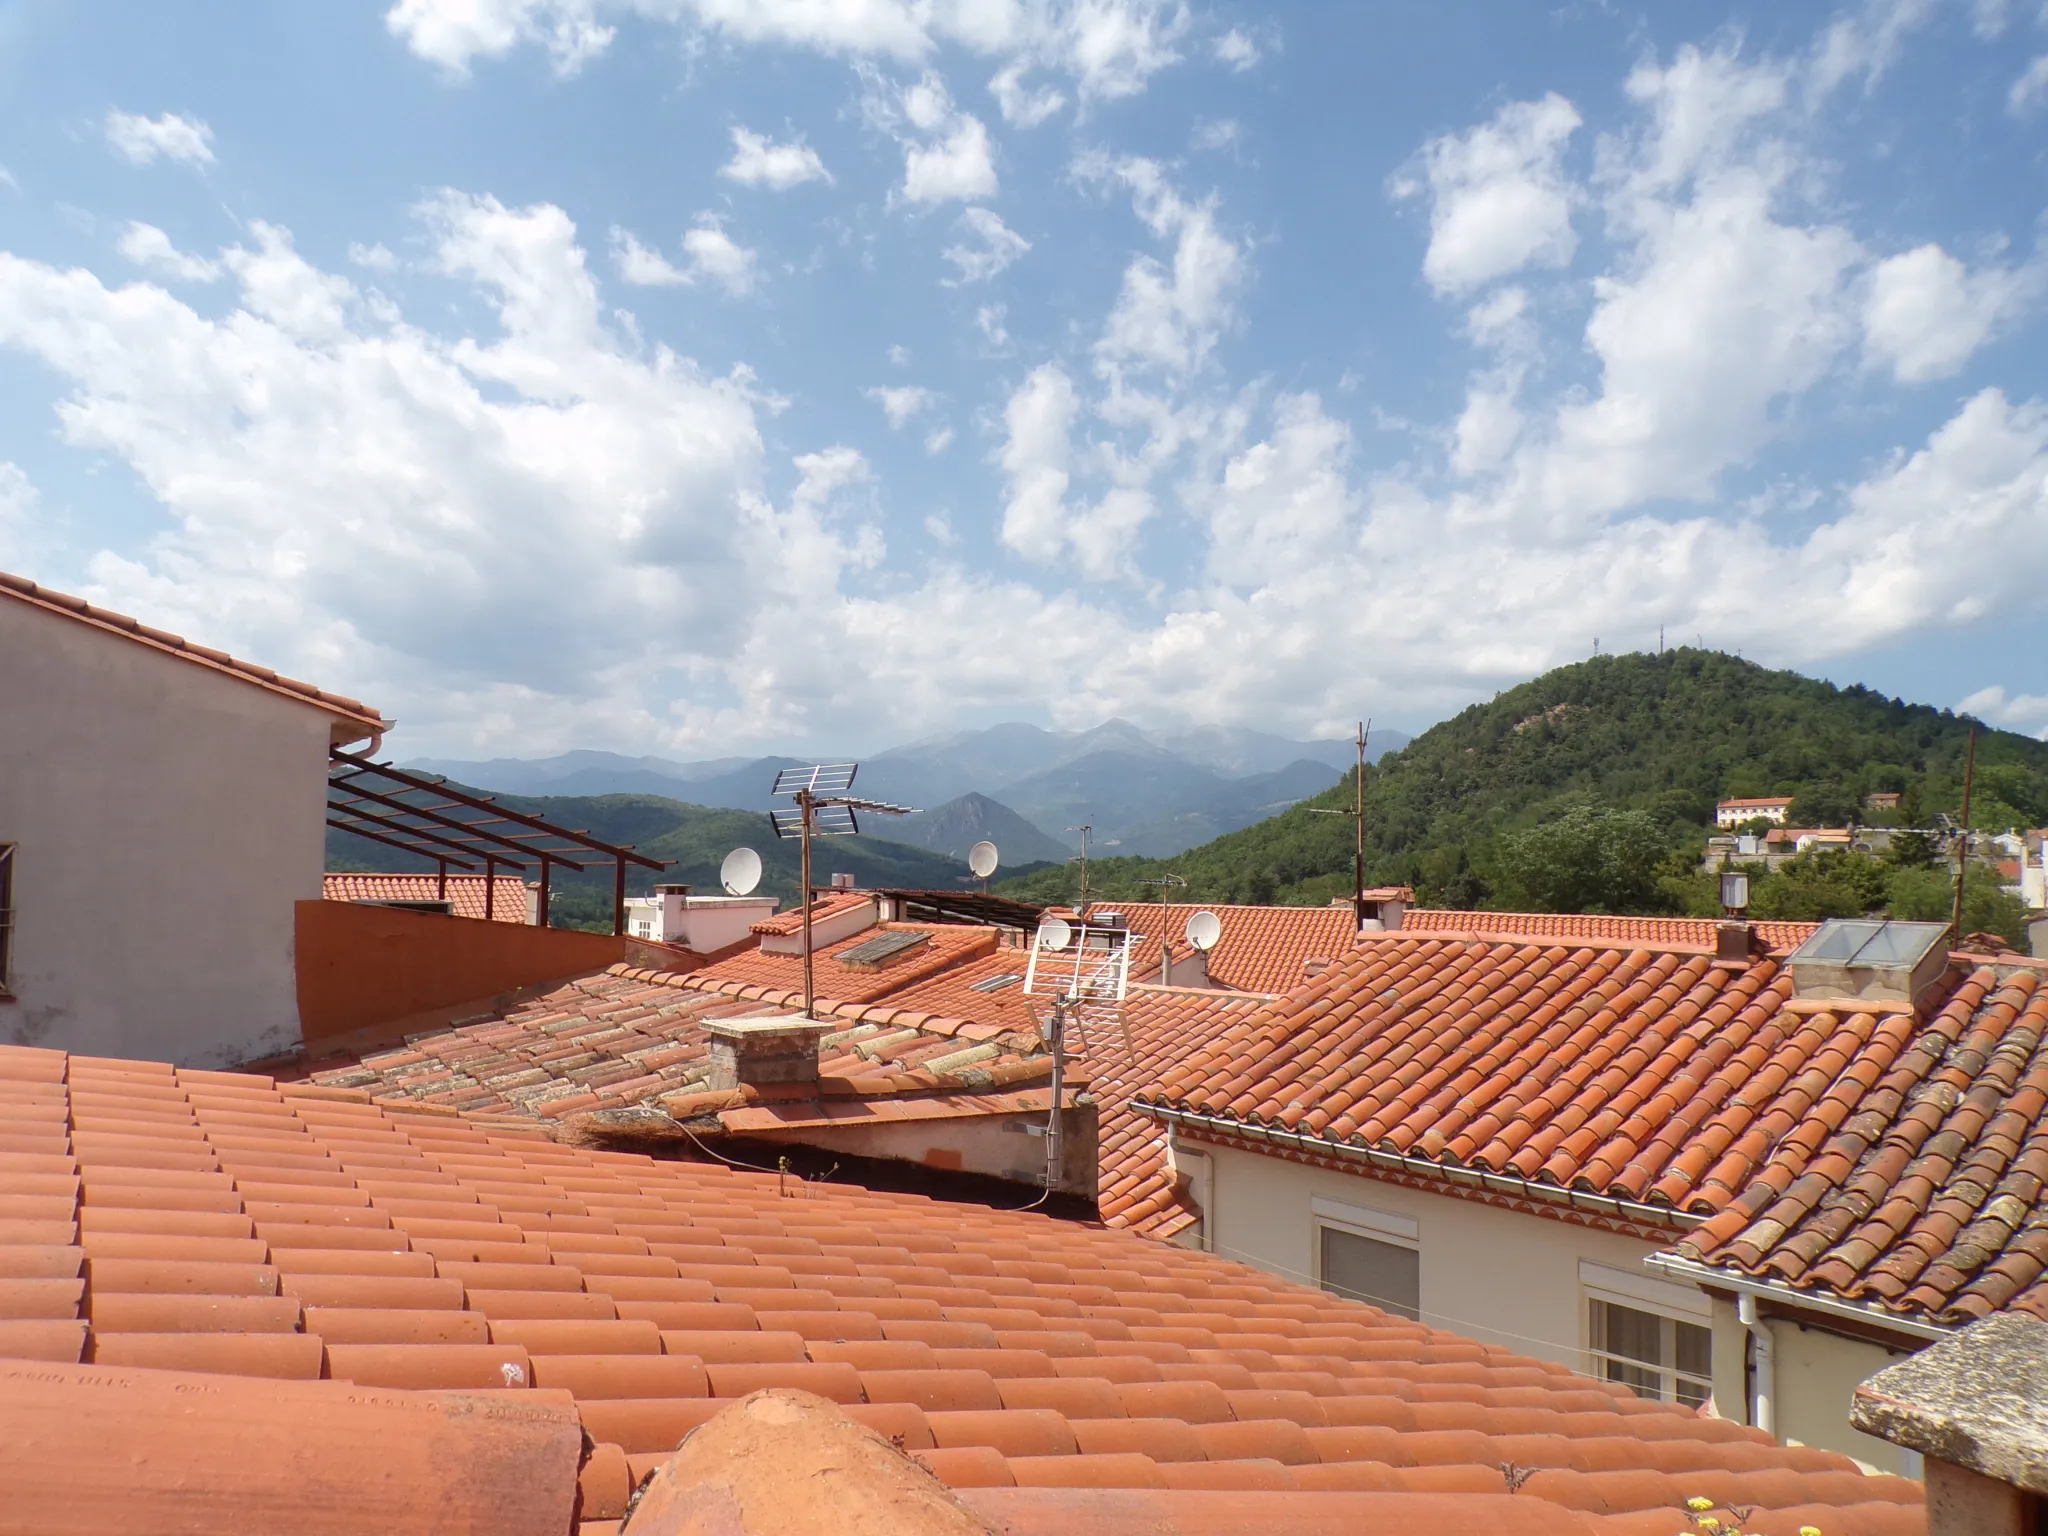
(1000, 1146)
(1490, 1274)
(1520, 1282)
(1817, 1373)
(166, 819)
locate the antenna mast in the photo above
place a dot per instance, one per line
(823, 809)
(1357, 815)
(1955, 927)
(1081, 907)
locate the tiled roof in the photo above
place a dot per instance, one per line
(1650, 1076)
(627, 1037)
(353, 711)
(947, 945)
(822, 907)
(1263, 949)
(210, 1222)
(465, 892)
(1756, 800)
(1651, 932)
(1918, 1183)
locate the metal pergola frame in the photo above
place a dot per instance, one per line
(425, 815)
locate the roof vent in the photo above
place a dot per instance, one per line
(1876, 960)
(842, 882)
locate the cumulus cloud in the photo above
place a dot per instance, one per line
(2030, 91)
(145, 140)
(17, 501)
(994, 246)
(946, 152)
(1235, 50)
(758, 162)
(1927, 314)
(900, 402)
(2016, 712)
(373, 257)
(148, 246)
(1111, 48)
(710, 253)
(1499, 198)
(1023, 106)
(1168, 315)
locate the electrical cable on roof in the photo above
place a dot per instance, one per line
(735, 1162)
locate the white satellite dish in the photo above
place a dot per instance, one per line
(1204, 929)
(740, 872)
(981, 858)
(1055, 933)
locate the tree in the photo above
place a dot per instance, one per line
(1909, 849)
(1590, 859)
(1821, 883)
(1823, 805)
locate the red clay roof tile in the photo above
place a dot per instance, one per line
(464, 893)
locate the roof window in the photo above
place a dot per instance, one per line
(1869, 958)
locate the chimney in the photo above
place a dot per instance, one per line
(1735, 942)
(765, 1052)
(1975, 1406)
(675, 902)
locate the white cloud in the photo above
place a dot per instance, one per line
(17, 502)
(947, 155)
(642, 267)
(2030, 91)
(1036, 459)
(1223, 133)
(1867, 42)
(711, 253)
(716, 255)
(375, 258)
(756, 162)
(938, 441)
(899, 355)
(145, 140)
(992, 321)
(1168, 316)
(998, 246)
(1927, 314)
(7, 180)
(1023, 107)
(1499, 198)
(1111, 48)
(1235, 50)
(148, 246)
(2019, 712)
(900, 402)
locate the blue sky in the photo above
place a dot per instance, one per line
(694, 376)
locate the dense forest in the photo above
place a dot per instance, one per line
(1594, 787)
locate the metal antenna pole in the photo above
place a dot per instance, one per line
(1081, 907)
(804, 805)
(1955, 927)
(1054, 1143)
(1358, 853)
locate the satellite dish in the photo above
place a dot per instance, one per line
(1055, 933)
(981, 858)
(740, 872)
(1204, 929)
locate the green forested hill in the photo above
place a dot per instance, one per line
(1663, 735)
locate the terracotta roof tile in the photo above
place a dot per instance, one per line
(1263, 949)
(465, 893)
(1916, 1180)
(1009, 1344)
(782, 924)
(1655, 932)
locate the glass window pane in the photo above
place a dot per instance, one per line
(1383, 1275)
(1695, 1363)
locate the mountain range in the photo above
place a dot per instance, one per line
(1151, 793)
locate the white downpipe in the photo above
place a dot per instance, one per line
(1762, 1408)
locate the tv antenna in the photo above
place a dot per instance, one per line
(1084, 829)
(1085, 968)
(981, 862)
(1357, 814)
(1167, 882)
(823, 809)
(740, 872)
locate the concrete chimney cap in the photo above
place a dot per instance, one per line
(1977, 1400)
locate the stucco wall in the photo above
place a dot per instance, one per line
(1494, 1275)
(369, 975)
(1000, 1146)
(1817, 1373)
(166, 818)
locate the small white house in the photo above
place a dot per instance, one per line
(192, 786)
(705, 924)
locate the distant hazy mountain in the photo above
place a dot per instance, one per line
(955, 827)
(1149, 791)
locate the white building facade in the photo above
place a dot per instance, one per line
(191, 785)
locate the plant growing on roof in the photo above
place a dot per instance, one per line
(1706, 1523)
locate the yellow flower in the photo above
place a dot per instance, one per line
(1698, 1505)
(1709, 1524)
(1809, 1530)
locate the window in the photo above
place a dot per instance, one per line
(1656, 1357)
(1380, 1274)
(6, 914)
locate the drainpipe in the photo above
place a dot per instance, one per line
(1764, 1357)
